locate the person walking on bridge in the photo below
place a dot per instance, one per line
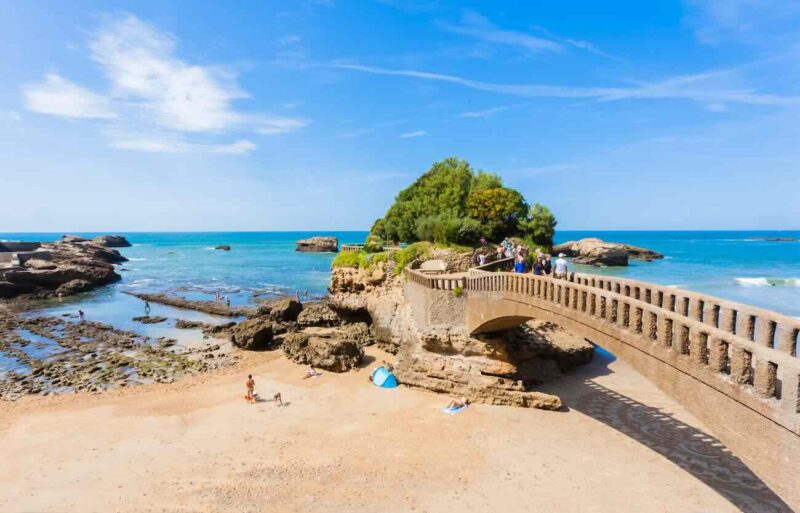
(561, 267)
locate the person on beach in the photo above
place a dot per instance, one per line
(561, 266)
(147, 309)
(228, 300)
(250, 397)
(312, 372)
(278, 399)
(81, 315)
(458, 403)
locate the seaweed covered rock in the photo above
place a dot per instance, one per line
(252, 334)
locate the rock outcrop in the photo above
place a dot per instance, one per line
(69, 266)
(318, 314)
(334, 352)
(252, 334)
(283, 309)
(150, 319)
(209, 307)
(318, 245)
(600, 253)
(502, 369)
(112, 241)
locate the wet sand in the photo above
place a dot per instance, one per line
(342, 445)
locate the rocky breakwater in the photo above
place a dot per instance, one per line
(500, 369)
(597, 252)
(112, 241)
(68, 266)
(318, 245)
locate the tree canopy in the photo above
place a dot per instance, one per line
(451, 202)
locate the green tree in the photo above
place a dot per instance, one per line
(498, 209)
(540, 226)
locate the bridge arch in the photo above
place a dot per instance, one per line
(735, 367)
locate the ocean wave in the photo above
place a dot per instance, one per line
(137, 259)
(767, 282)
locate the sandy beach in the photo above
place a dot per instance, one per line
(342, 445)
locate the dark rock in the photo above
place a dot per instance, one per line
(148, 319)
(73, 287)
(112, 241)
(211, 307)
(318, 245)
(71, 239)
(329, 353)
(318, 314)
(182, 324)
(283, 309)
(223, 247)
(252, 334)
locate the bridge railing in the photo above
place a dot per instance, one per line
(435, 281)
(764, 327)
(696, 333)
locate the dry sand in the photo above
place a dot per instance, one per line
(342, 445)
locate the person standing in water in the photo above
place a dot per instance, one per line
(147, 309)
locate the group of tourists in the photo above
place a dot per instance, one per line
(220, 298)
(543, 264)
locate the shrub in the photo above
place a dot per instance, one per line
(539, 227)
(458, 291)
(408, 254)
(351, 259)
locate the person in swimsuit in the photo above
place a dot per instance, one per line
(251, 387)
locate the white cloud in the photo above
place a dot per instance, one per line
(277, 126)
(141, 65)
(155, 94)
(169, 142)
(475, 25)
(416, 133)
(717, 107)
(751, 20)
(13, 115)
(698, 87)
(484, 113)
(60, 97)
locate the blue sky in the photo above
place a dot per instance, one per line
(265, 115)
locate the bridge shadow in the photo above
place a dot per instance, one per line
(693, 450)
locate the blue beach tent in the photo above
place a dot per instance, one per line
(383, 378)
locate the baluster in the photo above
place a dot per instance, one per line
(698, 347)
(766, 374)
(727, 320)
(665, 332)
(718, 354)
(747, 326)
(787, 340)
(766, 331)
(741, 361)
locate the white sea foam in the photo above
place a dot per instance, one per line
(768, 282)
(137, 259)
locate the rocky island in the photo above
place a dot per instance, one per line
(62, 268)
(322, 244)
(592, 251)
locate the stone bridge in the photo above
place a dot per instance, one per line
(733, 366)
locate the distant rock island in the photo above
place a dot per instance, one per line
(597, 252)
(774, 239)
(318, 245)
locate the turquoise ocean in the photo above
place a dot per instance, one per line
(729, 264)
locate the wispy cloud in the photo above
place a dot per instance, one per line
(716, 20)
(485, 113)
(475, 25)
(58, 96)
(170, 142)
(697, 87)
(152, 90)
(416, 133)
